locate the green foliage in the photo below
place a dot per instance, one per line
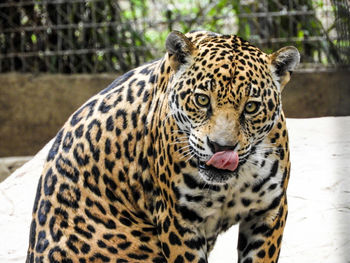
(109, 35)
(302, 29)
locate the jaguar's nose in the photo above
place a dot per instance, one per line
(216, 147)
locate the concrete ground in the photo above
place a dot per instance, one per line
(318, 226)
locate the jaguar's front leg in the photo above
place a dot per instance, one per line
(260, 234)
(181, 243)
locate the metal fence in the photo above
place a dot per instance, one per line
(92, 36)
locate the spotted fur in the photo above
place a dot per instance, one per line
(126, 180)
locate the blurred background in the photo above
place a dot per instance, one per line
(98, 36)
(55, 54)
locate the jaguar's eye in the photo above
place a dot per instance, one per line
(202, 100)
(252, 107)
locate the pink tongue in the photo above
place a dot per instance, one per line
(227, 160)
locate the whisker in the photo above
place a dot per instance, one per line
(182, 137)
(179, 142)
(168, 116)
(267, 147)
(182, 132)
(257, 162)
(187, 154)
(190, 158)
(264, 152)
(182, 148)
(184, 152)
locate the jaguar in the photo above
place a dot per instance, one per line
(171, 154)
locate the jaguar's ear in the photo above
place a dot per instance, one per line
(180, 49)
(283, 62)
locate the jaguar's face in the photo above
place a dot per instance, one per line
(226, 99)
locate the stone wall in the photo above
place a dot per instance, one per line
(317, 94)
(33, 108)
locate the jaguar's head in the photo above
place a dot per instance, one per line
(225, 95)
